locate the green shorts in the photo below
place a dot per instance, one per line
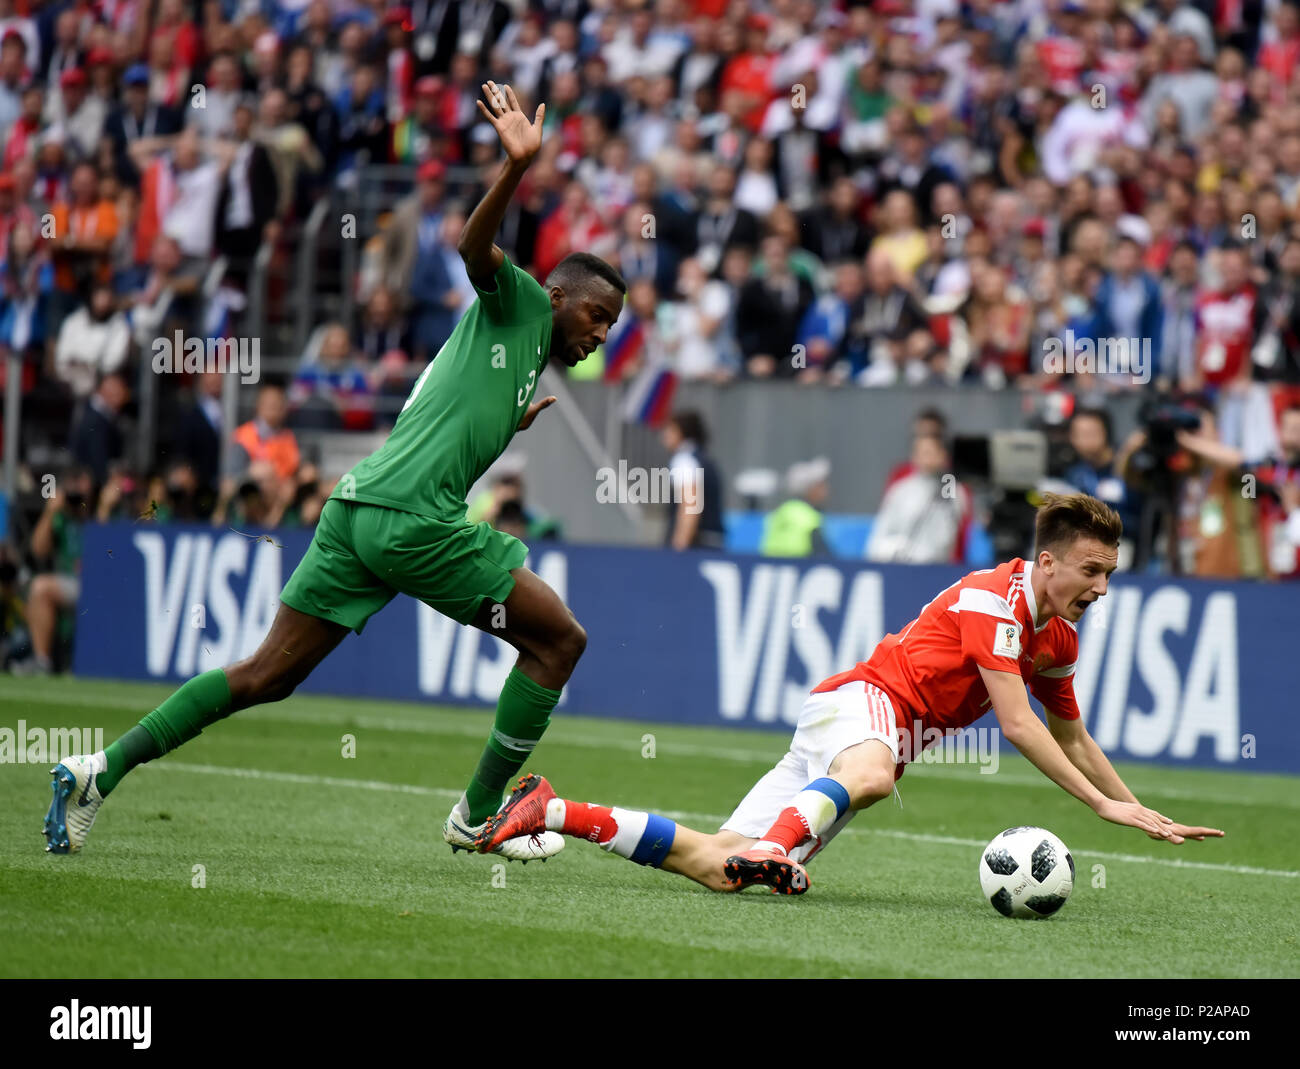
(362, 556)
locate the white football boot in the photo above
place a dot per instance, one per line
(75, 805)
(457, 830)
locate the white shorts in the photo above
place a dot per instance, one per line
(829, 723)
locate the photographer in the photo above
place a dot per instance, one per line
(56, 549)
(1215, 530)
(1279, 499)
(1097, 472)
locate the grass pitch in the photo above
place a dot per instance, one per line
(316, 864)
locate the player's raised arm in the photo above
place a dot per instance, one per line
(1030, 736)
(521, 139)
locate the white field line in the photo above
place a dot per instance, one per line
(701, 818)
(275, 714)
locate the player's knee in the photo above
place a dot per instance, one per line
(866, 784)
(569, 646)
(258, 680)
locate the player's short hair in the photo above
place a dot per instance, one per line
(576, 271)
(1064, 518)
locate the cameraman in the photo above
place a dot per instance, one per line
(1217, 531)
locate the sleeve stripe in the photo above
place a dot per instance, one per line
(983, 601)
(1062, 672)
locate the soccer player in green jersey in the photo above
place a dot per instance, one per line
(396, 524)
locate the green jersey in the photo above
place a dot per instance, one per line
(466, 405)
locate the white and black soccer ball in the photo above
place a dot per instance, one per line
(1026, 872)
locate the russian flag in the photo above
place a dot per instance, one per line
(624, 348)
(649, 399)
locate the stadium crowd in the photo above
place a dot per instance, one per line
(847, 194)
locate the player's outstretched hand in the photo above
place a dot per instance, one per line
(1182, 832)
(520, 138)
(1155, 824)
(533, 409)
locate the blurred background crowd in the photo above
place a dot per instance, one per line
(918, 193)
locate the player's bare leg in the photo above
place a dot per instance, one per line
(858, 777)
(700, 856)
(540, 626)
(646, 838)
(295, 645)
(550, 641)
(292, 649)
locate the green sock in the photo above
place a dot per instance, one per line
(523, 711)
(202, 701)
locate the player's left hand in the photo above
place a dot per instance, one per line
(520, 138)
(533, 409)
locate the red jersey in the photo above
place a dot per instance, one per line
(930, 669)
(1227, 332)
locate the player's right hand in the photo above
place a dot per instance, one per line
(1136, 815)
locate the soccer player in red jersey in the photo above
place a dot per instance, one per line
(980, 642)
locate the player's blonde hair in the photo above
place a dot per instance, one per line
(1064, 518)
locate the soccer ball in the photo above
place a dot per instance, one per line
(1026, 872)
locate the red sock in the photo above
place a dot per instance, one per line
(789, 830)
(584, 820)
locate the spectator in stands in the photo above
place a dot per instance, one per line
(923, 516)
(824, 329)
(98, 437)
(794, 528)
(363, 122)
(416, 262)
(94, 341)
(199, 434)
(835, 232)
(574, 226)
(249, 196)
(1278, 318)
(26, 129)
(84, 228)
(380, 330)
(695, 514)
(331, 391)
(694, 325)
(641, 255)
(165, 293)
(889, 314)
(421, 135)
(26, 280)
(1178, 317)
(1227, 317)
(900, 239)
(136, 119)
(720, 224)
(769, 311)
(266, 437)
(294, 155)
(56, 547)
(999, 320)
(1128, 309)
